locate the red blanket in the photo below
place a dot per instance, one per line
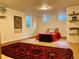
(55, 36)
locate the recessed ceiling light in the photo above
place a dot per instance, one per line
(44, 5)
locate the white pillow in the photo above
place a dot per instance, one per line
(52, 30)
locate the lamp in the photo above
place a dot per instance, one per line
(44, 5)
(2, 11)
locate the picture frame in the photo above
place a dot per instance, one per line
(17, 22)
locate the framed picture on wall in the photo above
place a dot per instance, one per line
(17, 23)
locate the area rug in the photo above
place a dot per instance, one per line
(30, 51)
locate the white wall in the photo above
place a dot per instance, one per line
(7, 27)
(72, 38)
(54, 23)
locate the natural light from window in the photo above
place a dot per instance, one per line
(46, 19)
(28, 21)
(62, 17)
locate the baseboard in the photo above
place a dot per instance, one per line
(16, 41)
(63, 37)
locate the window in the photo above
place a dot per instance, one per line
(28, 21)
(46, 19)
(62, 17)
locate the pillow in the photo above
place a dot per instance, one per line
(52, 30)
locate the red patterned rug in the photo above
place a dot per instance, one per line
(30, 51)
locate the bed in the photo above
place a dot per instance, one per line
(48, 37)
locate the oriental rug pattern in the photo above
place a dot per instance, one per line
(30, 51)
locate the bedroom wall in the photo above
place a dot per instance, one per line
(7, 27)
(72, 38)
(54, 23)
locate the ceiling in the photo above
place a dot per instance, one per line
(30, 6)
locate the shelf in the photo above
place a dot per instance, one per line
(74, 18)
(73, 21)
(2, 16)
(73, 33)
(74, 28)
(73, 14)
